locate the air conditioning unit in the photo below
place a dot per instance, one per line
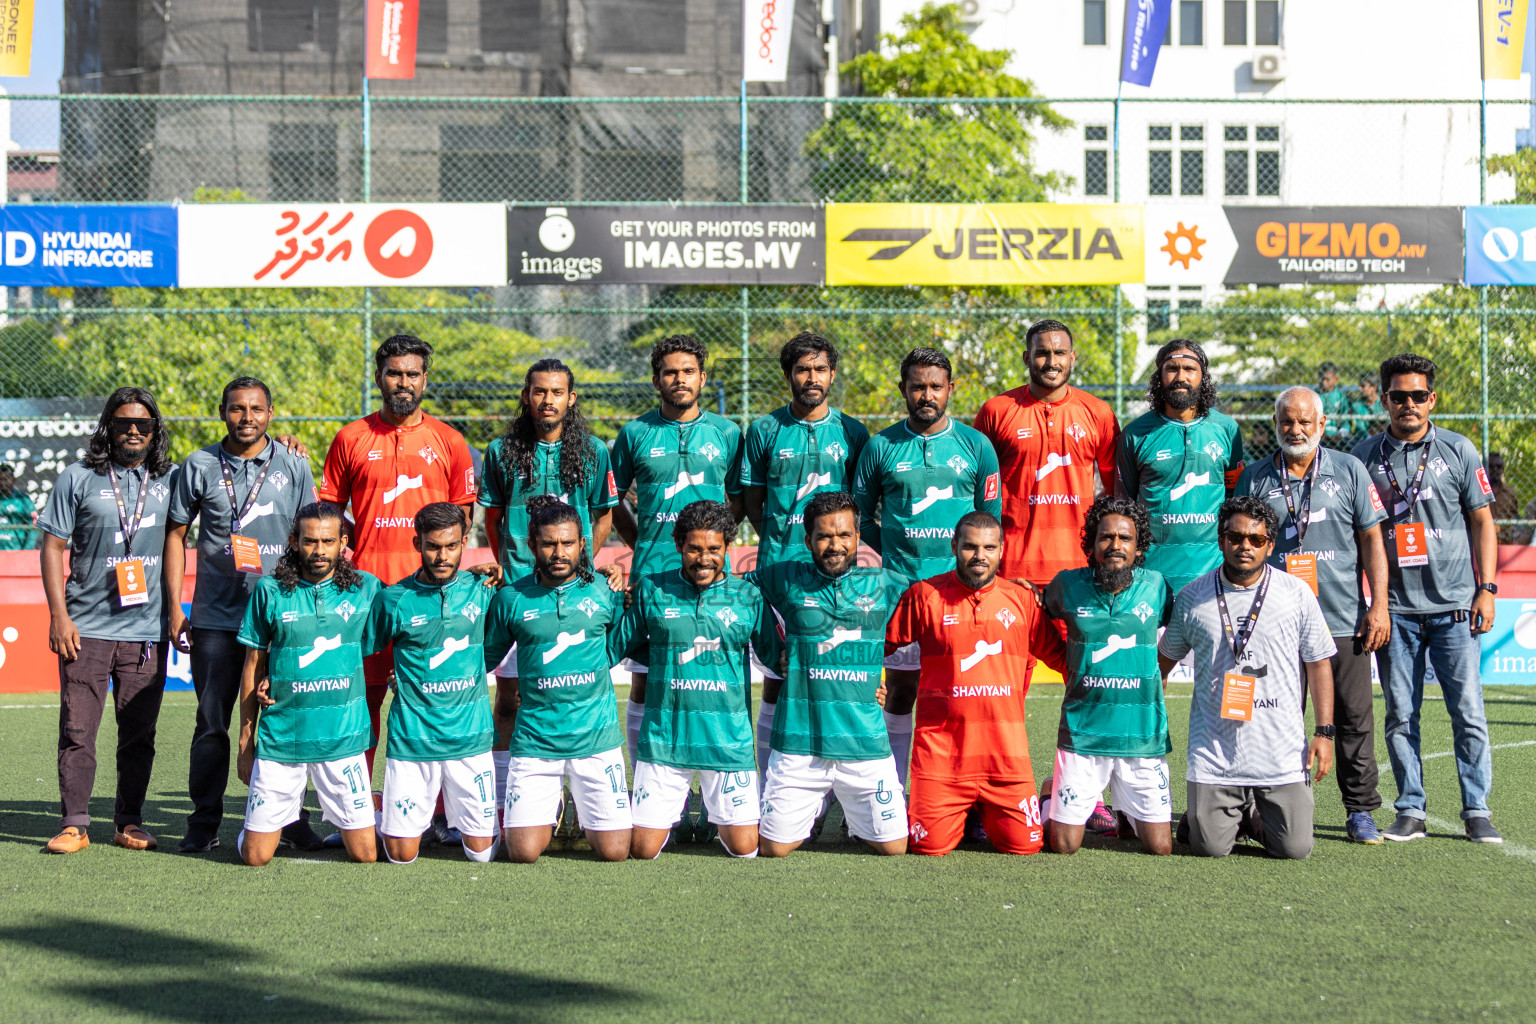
(970, 11)
(1268, 65)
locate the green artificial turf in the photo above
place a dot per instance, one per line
(1435, 930)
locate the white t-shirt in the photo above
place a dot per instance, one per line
(1271, 749)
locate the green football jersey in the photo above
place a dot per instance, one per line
(793, 460)
(834, 635)
(568, 706)
(1182, 473)
(926, 482)
(673, 463)
(316, 637)
(1114, 701)
(18, 512)
(501, 487)
(442, 706)
(698, 701)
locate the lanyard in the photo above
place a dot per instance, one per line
(1300, 516)
(1240, 637)
(122, 510)
(1418, 477)
(250, 499)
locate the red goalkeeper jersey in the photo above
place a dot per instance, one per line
(978, 650)
(389, 474)
(1046, 453)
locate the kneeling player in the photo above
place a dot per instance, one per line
(567, 723)
(979, 638)
(829, 734)
(308, 627)
(697, 624)
(1114, 724)
(440, 730)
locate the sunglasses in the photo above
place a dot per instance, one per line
(1238, 539)
(125, 424)
(1402, 397)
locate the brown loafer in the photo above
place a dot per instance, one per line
(131, 837)
(70, 840)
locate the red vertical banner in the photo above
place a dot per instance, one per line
(391, 38)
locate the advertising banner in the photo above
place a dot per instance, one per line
(664, 244)
(16, 38)
(1502, 28)
(1188, 245)
(88, 246)
(1501, 244)
(1145, 23)
(342, 245)
(1509, 648)
(392, 38)
(997, 243)
(1345, 244)
(765, 31)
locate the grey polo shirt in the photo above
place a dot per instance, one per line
(1454, 485)
(82, 510)
(1270, 750)
(1343, 504)
(222, 593)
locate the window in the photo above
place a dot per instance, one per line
(1095, 23)
(510, 26)
(290, 26)
(301, 163)
(519, 155)
(1160, 161)
(1159, 302)
(1095, 162)
(1160, 133)
(1191, 160)
(1191, 23)
(1266, 172)
(1191, 297)
(432, 27)
(1266, 22)
(1234, 17)
(636, 26)
(1265, 160)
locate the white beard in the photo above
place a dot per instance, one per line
(1301, 451)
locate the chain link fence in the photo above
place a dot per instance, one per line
(63, 350)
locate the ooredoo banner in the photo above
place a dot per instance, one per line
(1501, 245)
(665, 245)
(310, 245)
(88, 246)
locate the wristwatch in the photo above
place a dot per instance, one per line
(1325, 731)
(1492, 588)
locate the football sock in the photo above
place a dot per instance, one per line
(764, 731)
(391, 859)
(899, 729)
(501, 758)
(632, 719)
(486, 855)
(727, 849)
(240, 844)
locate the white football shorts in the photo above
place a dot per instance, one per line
(468, 786)
(661, 793)
(597, 787)
(277, 793)
(796, 784)
(1138, 787)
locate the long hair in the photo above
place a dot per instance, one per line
(521, 448)
(288, 572)
(548, 510)
(1109, 505)
(98, 451)
(1205, 394)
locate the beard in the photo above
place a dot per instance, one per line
(401, 404)
(128, 456)
(1180, 398)
(1307, 447)
(544, 426)
(964, 573)
(1113, 579)
(814, 400)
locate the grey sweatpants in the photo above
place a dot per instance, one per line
(1215, 811)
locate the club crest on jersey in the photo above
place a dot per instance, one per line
(836, 451)
(710, 452)
(865, 604)
(958, 464)
(589, 606)
(1332, 487)
(470, 611)
(1077, 432)
(1006, 617)
(159, 492)
(727, 616)
(1142, 611)
(346, 610)
(1215, 451)
(428, 454)
(1437, 464)
(279, 479)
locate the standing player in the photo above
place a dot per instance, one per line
(979, 638)
(1049, 437)
(672, 456)
(17, 514)
(390, 465)
(791, 455)
(244, 492)
(697, 624)
(566, 727)
(831, 737)
(440, 730)
(308, 627)
(1181, 460)
(1114, 723)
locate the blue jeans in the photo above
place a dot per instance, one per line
(1439, 641)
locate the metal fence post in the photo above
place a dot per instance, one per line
(1482, 317)
(363, 394)
(746, 318)
(1119, 303)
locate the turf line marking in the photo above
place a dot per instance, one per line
(28, 705)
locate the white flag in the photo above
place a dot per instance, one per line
(765, 28)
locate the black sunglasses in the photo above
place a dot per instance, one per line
(143, 424)
(1402, 397)
(1237, 539)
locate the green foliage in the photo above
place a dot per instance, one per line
(1520, 165)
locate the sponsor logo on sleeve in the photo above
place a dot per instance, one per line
(990, 493)
(613, 488)
(1482, 481)
(1375, 498)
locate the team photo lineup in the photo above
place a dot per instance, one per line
(1043, 534)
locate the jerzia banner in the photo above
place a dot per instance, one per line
(665, 244)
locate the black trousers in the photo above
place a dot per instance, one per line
(1354, 719)
(134, 673)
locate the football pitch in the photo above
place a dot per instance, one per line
(1434, 930)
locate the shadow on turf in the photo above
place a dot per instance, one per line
(190, 979)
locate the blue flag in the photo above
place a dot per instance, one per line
(1145, 23)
